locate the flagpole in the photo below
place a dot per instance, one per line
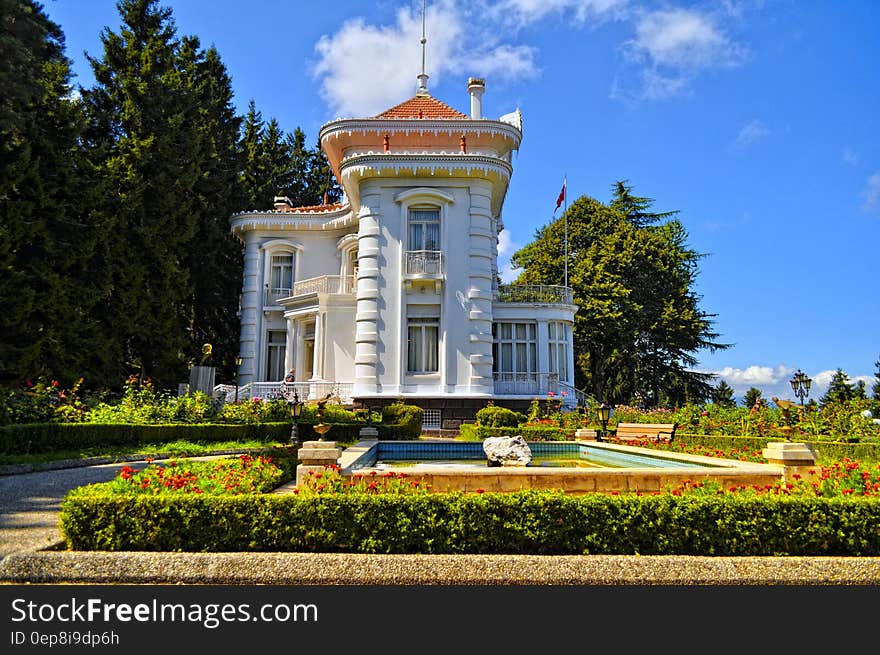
(565, 222)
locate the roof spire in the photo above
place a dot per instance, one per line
(423, 77)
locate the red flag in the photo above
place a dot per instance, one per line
(561, 195)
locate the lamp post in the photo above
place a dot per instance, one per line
(296, 406)
(604, 414)
(238, 361)
(800, 385)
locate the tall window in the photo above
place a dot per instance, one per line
(424, 229)
(275, 347)
(281, 275)
(515, 348)
(423, 333)
(559, 332)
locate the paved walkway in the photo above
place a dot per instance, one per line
(29, 506)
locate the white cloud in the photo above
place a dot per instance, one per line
(683, 38)
(672, 46)
(871, 192)
(526, 12)
(774, 381)
(364, 69)
(754, 376)
(751, 132)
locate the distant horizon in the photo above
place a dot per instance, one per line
(756, 122)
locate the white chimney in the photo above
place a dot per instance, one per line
(476, 87)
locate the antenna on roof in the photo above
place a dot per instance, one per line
(423, 77)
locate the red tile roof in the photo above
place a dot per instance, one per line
(421, 106)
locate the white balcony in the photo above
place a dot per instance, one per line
(423, 264)
(544, 294)
(327, 284)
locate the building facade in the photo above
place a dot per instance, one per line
(394, 293)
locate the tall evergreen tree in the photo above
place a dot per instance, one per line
(840, 389)
(636, 209)
(639, 324)
(723, 394)
(279, 164)
(752, 396)
(48, 237)
(163, 126)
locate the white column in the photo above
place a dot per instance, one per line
(481, 251)
(290, 347)
(317, 373)
(367, 315)
(251, 307)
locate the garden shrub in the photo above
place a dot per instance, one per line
(526, 522)
(499, 417)
(473, 432)
(401, 421)
(49, 437)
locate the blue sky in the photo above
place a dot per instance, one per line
(759, 120)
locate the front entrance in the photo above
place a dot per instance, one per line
(308, 367)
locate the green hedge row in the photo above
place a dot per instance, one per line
(49, 437)
(474, 432)
(528, 522)
(31, 438)
(827, 450)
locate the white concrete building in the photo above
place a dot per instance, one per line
(394, 293)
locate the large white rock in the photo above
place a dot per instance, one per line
(507, 451)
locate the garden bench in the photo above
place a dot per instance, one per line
(636, 431)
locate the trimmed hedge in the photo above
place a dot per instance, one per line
(48, 437)
(528, 522)
(474, 432)
(827, 450)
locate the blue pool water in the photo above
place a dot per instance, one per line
(544, 453)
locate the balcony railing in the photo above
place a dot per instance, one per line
(526, 384)
(274, 294)
(534, 293)
(329, 284)
(424, 263)
(338, 391)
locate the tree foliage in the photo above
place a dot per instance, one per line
(842, 389)
(639, 324)
(115, 247)
(50, 243)
(752, 397)
(723, 395)
(277, 164)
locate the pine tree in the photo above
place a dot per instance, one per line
(723, 394)
(840, 389)
(635, 208)
(751, 397)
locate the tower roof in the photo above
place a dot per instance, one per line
(422, 106)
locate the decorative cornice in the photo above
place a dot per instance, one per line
(277, 221)
(433, 163)
(420, 126)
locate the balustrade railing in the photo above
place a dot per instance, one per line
(424, 262)
(526, 384)
(338, 391)
(534, 293)
(329, 284)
